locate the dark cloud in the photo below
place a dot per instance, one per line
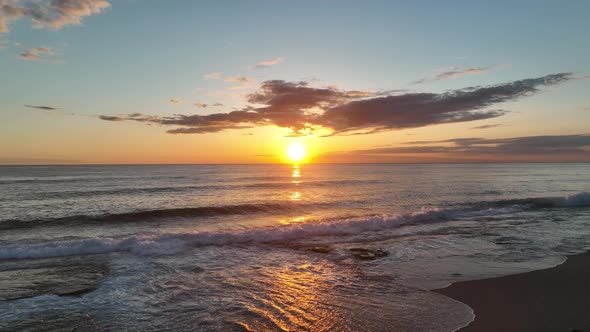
(488, 126)
(41, 107)
(305, 109)
(114, 118)
(414, 110)
(526, 146)
(204, 130)
(52, 14)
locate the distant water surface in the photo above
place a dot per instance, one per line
(274, 247)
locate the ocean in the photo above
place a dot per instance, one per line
(312, 247)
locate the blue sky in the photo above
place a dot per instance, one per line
(137, 55)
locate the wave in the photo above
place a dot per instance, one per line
(181, 188)
(580, 199)
(204, 211)
(176, 242)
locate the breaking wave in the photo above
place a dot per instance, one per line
(172, 243)
(175, 242)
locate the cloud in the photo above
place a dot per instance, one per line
(38, 54)
(52, 110)
(576, 147)
(269, 63)
(488, 126)
(412, 110)
(201, 105)
(174, 101)
(42, 107)
(205, 130)
(51, 14)
(219, 76)
(304, 109)
(114, 118)
(218, 104)
(237, 79)
(37, 161)
(453, 72)
(212, 76)
(460, 72)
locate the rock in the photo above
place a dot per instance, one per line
(368, 254)
(198, 269)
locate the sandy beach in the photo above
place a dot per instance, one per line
(554, 299)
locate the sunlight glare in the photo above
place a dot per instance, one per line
(296, 152)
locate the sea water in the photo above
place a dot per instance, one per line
(317, 247)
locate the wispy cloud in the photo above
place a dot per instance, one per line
(174, 101)
(269, 63)
(488, 126)
(42, 107)
(241, 79)
(52, 110)
(212, 76)
(231, 79)
(453, 72)
(304, 109)
(201, 105)
(460, 72)
(52, 14)
(38, 54)
(113, 118)
(38, 161)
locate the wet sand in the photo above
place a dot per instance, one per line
(554, 299)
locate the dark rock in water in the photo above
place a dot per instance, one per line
(69, 276)
(321, 250)
(456, 274)
(198, 269)
(368, 254)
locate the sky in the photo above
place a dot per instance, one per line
(166, 82)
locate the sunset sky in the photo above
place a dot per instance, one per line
(148, 81)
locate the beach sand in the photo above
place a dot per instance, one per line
(554, 299)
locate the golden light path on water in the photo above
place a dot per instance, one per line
(296, 195)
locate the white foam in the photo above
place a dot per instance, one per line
(175, 242)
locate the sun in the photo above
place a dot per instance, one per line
(296, 152)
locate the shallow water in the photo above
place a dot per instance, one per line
(268, 247)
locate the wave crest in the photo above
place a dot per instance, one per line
(175, 242)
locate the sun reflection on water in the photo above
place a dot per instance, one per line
(296, 174)
(296, 196)
(296, 300)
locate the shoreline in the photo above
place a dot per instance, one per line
(553, 299)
